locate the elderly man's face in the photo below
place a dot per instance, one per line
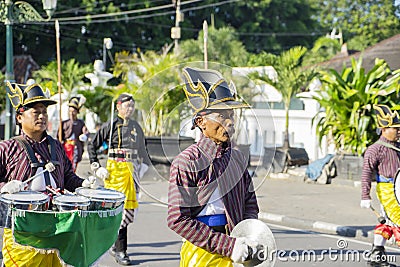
(34, 120)
(391, 133)
(126, 109)
(218, 126)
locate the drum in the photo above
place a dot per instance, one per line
(71, 202)
(26, 200)
(102, 198)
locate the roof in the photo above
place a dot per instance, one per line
(388, 49)
(24, 66)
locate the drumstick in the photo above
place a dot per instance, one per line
(66, 192)
(48, 167)
(381, 219)
(53, 191)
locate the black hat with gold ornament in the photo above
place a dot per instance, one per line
(76, 102)
(22, 96)
(386, 117)
(207, 90)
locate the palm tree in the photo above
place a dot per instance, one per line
(156, 76)
(291, 77)
(72, 74)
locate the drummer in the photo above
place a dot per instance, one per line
(127, 162)
(210, 189)
(381, 161)
(26, 155)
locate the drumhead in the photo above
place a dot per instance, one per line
(100, 193)
(66, 199)
(24, 197)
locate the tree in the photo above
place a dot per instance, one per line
(72, 74)
(292, 77)
(155, 87)
(223, 46)
(363, 22)
(324, 49)
(347, 100)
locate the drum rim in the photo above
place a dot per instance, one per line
(24, 202)
(85, 202)
(121, 196)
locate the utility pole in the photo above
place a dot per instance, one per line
(176, 31)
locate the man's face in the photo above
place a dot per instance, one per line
(218, 126)
(126, 109)
(391, 133)
(73, 113)
(34, 120)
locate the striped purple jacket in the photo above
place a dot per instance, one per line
(191, 184)
(378, 159)
(15, 164)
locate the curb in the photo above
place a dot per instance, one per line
(330, 228)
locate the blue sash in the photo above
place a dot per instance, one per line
(213, 220)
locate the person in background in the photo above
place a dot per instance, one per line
(127, 162)
(28, 154)
(381, 161)
(74, 132)
(210, 189)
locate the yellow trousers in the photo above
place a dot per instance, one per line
(385, 193)
(18, 256)
(121, 179)
(193, 256)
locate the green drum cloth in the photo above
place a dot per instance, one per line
(81, 237)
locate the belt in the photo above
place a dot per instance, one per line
(213, 220)
(383, 179)
(122, 156)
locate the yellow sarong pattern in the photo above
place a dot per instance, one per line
(385, 193)
(193, 256)
(18, 255)
(121, 179)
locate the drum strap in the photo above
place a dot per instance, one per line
(32, 158)
(388, 145)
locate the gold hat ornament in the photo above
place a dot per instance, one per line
(386, 117)
(22, 95)
(206, 89)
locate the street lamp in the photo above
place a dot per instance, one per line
(11, 13)
(107, 44)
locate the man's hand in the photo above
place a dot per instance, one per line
(240, 250)
(13, 186)
(365, 203)
(102, 173)
(83, 138)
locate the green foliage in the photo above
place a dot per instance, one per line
(2, 92)
(223, 46)
(347, 99)
(98, 101)
(292, 77)
(324, 49)
(364, 22)
(155, 89)
(72, 74)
